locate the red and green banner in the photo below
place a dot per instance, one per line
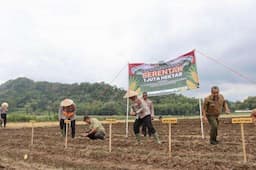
(164, 78)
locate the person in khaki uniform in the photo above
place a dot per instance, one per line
(213, 106)
(96, 130)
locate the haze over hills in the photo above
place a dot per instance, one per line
(28, 96)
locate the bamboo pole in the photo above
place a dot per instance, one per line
(110, 137)
(127, 117)
(201, 119)
(243, 142)
(66, 138)
(32, 133)
(170, 139)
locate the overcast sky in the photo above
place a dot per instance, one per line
(92, 41)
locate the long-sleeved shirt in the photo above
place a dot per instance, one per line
(95, 124)
(139, 106)
(151, 107)
(214, 106)
(62, 116)
(3, 110)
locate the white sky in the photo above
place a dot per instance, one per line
(92, 41)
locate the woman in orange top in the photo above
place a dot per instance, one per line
(67, 111)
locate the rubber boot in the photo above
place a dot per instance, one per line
(63, 132)
(156, 137)
(138, 138)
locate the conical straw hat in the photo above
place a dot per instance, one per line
(66, 102)
(4, 104)
(254, 111)
(130, 93)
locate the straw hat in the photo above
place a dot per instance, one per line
(4, 104)
(130, 93)
(66, 102)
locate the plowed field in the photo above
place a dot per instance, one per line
(189, 150)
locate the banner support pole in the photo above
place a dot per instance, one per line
(127, 116)
(127, 109)
(201, 118)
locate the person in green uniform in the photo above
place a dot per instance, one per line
(96, 130)
(213, 106)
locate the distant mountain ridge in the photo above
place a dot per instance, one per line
(28, 96)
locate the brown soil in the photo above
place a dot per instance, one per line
(189, 150)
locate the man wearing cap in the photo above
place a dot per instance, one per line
(3, 112)
(152, 113)
(213, 106)
(67, 111)
(96, 130)
(140, 109)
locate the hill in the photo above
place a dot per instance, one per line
(27, 96)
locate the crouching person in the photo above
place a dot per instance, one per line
(67, 111)
(96, 130)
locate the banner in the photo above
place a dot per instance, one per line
(166, 77)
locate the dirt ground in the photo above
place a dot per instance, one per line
(189, 150)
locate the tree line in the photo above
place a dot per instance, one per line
(27, 96)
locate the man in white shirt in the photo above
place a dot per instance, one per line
(152, 113)
(140, 109)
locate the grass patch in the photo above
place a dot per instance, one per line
(23, 117)
(46, 117)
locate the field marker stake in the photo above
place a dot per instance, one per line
(242, 135)
(170, 121)
(201, 119)
(110, 136)
(242, 121)
(32, 132)
(110, 121)
(170, 138)
(66, 138)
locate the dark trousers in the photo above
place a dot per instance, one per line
(97, 135)
(63, 127)
(144, 121)
(214, 123)
(4, 117)
(145, 130)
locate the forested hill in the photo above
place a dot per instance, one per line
(27, 96)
